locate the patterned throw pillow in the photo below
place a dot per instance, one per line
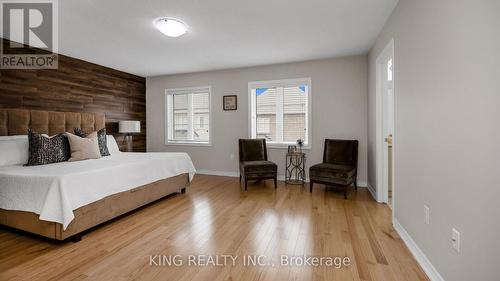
(46, 150)
(101, 137)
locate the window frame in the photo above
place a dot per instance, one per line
(183, 91)
(279, 83)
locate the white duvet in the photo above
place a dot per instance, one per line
(53, 191)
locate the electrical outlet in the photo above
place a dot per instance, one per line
(427, 214)
(455, 239)
(231, 156)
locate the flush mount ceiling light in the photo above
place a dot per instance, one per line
(170, 26)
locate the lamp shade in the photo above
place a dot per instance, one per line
(129, 127)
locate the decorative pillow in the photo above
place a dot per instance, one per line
(14, 151)
(101, 136)
(84, 148)
(112, 145)
(46, 150)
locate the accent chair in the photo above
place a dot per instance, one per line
(253, 161)
(339, 167)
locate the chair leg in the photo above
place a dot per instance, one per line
(355, 184)
(246, 183)
(240, 177)
(310, 186)
(275, 183)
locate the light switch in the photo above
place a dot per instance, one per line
(427, 214)
(455, 239)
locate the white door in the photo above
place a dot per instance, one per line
(388, 129)
(385, 125)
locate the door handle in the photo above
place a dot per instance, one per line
(388, 140)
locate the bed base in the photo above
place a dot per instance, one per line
(97, 212)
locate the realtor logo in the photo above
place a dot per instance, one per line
(31, 30)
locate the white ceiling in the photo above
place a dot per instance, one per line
(224, 33)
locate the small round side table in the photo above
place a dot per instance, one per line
(295, 172)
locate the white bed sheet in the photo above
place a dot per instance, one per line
(53, 191)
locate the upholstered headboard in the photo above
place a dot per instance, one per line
(17, 121)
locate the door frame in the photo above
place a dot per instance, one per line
(381, 171)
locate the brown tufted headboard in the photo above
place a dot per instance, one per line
(17, 121)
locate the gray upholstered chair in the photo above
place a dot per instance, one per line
(253, 161)
(339, 167)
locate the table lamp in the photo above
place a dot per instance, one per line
(128, 128)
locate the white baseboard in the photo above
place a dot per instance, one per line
(362, 184)
(237, 174)
(231, 174)
(218, 173)
(422, 260)
(372, 190)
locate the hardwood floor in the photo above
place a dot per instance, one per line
(216, 217)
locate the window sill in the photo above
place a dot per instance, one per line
(284, 146)
(185, 143)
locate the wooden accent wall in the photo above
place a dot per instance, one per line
(79, 86)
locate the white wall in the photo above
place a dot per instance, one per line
(447, 113)
(339, 109)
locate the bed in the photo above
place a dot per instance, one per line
(61, 200)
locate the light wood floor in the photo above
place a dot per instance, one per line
(214, 217)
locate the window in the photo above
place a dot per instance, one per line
(280, 111)
(389, 70)
(188, 115)
(202, 122)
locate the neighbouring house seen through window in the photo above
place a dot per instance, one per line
(188, 115)
(280, 111)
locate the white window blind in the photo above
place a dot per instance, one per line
(280, 111)
(188, 115)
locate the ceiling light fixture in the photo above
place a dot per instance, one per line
(171, 27)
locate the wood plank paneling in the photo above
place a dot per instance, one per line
(79, 86)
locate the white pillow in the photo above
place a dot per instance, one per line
(13, 137)
(14, 150)
(112, 145)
